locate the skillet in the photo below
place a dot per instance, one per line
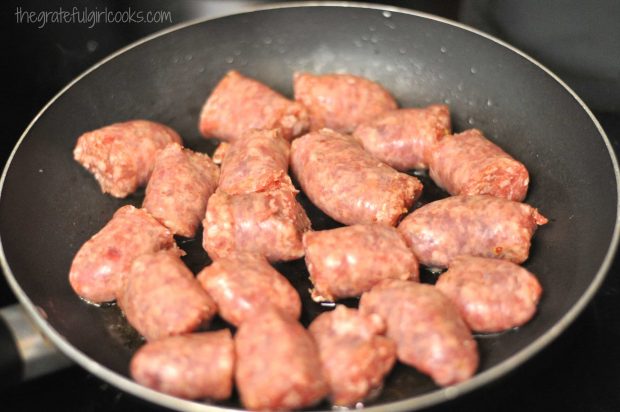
(49, 205)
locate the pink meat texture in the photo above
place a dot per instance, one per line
(481, 225)
(256, 162)
(239, 103)
(348, 261)
(492, 295)
(469, 164)
(245, 283)
(102, 261)
(278, 363)
(269, 223)
(121, 156)
(428, 331)
(347, 183)
(160, 297)
(404, 138)
(341, 101)
(177, 193)
(192, 366)
(354, 356)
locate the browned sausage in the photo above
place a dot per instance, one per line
(256, 162)
(347, 183)
(269, 223)
(160, 297)
(354, 356)
(122, 155)
(341, 101)
(239, 104)
(277, 363)
(192, 366)
(427, 329)
(181, 183)
(492, 295)
(469, 164)
(348, 261)
(404, 138)
(480, 225)
(101, 262)
(244, 283)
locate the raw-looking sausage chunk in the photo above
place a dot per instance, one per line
(160, 297)
(469, 164)
(220, 152)
(278, 363)
(404, 138)
(347, 183)
(181, 183)
(354, 356)
(492, 295)
(239, 104)
(98, 267)
(194, 366)
(482, 225)
(256, 162)
(427, 328)
(269, 223)
(341, 101)
(245, 283)
(348, 261)
(121, 156)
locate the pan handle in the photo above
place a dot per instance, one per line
(24, 352)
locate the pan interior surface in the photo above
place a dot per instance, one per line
(50, 206)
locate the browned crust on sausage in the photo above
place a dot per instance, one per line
(341, 101)
(239, 103)
(492, 295)
(121, 156)
(348, 261)
(190, 366)
(244, 283)
(427, 329)
(347, 183)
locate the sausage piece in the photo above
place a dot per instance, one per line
(244, 283)
(428, 331)
(192, 366)
(181, 183)
(269, 223)
(101, 262)
(121, 156)
(480, 225)
(469, 164)
(277, 363)
(341, 101)
(492, 295)
(348, 261)
(160, 297)
(404, 138)
(354, 356)
(347, 183)
(239, 104)
(256, 162)
(220, 153)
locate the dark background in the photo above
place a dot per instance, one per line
(580, 41)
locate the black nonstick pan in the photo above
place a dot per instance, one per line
(49, 205)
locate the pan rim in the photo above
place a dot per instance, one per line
(417, 402)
